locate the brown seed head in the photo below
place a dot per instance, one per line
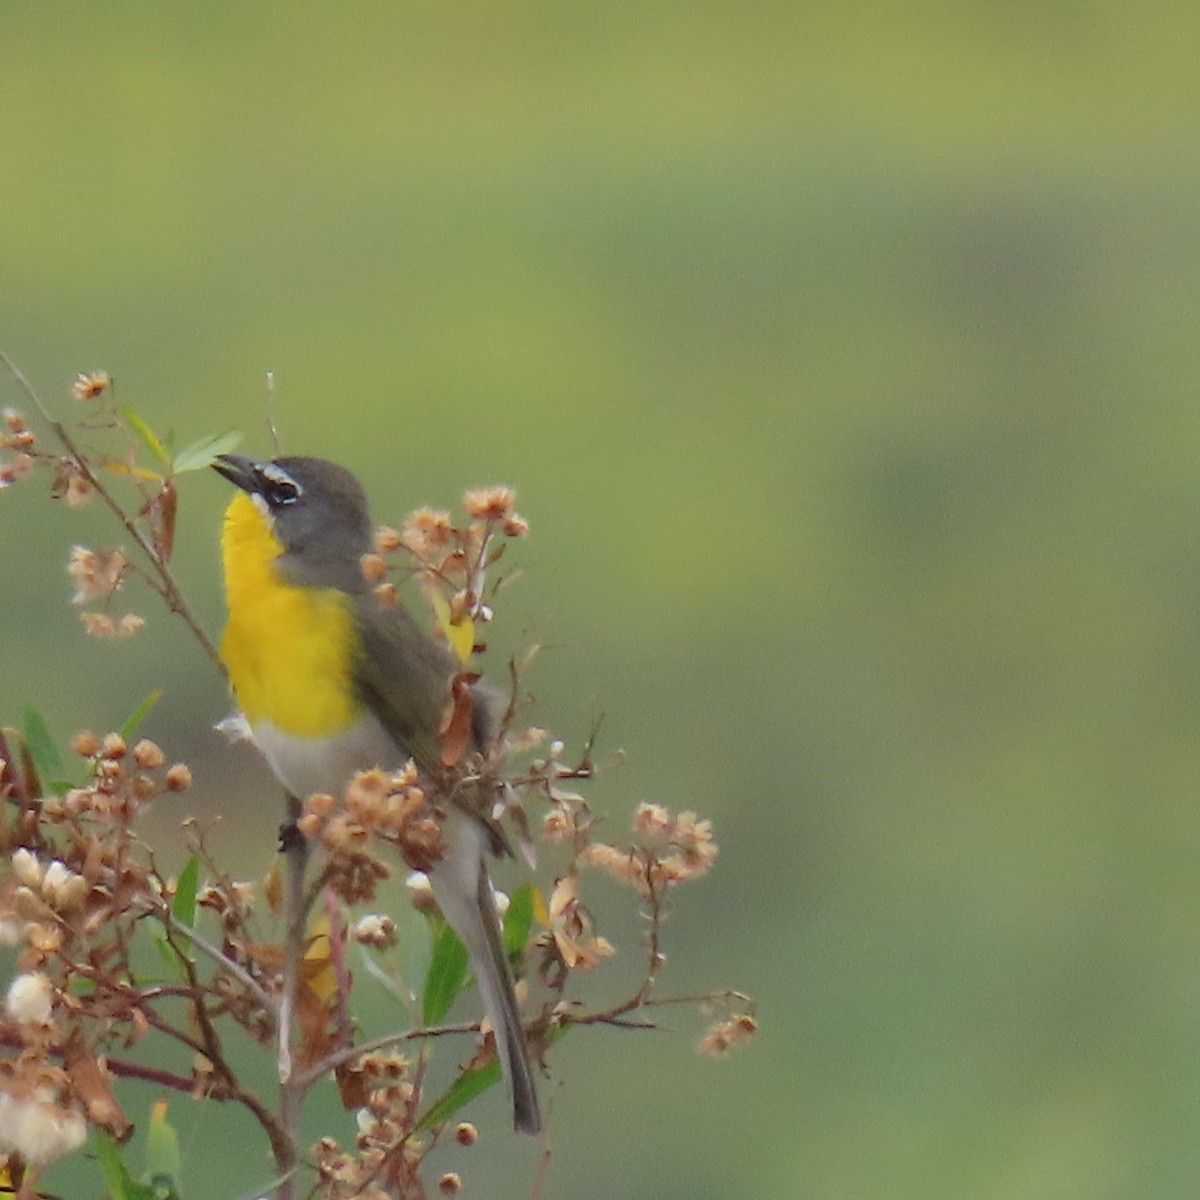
(114, 746)
(98, 625)
(80, 492)
(420, 892)
(89, 385)
(309, 826)
(387, 540)
(374, 567)
(386, 595)
(490, 503)
(725, 1034)
(178, 778)
(427, 530)
(96, 574)
(148, 755)
(320, 804)
(558, 825)
(144, 788)
(85, 743)
(376, 930)
(19, 468)
(651, 821)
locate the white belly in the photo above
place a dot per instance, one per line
(307, 765)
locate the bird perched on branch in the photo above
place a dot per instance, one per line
(331, 682)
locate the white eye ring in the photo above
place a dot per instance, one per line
(276, 487)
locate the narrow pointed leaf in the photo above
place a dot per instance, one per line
(471, 1083)
(41, 745)
(201, 452)
(120, 468)
(168, 955)
(518, 920)
(117, 1180)
(148, 437)
(163, 1162)
(447, 974)
(134, 721)
(474, 1081)
(183, 906)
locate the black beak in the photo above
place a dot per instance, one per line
(240, 471)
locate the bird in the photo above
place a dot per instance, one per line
(331, 682)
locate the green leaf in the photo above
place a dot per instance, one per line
(134, 720)
(447, 974)
(201, 452)
(149, 438)
(167, 954)
(117, 1180)
(163, 1162)
(471, 1083)
(183, 906)
(183, 910)
(518, 920)
(41, 745)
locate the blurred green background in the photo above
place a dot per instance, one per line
(844, 357)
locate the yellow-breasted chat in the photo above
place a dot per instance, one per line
(331, 682)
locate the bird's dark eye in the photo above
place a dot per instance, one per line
(277, 487)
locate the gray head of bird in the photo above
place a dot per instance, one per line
(316, 510)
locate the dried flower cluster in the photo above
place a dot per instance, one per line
(97, 576)
(19, 442)
(132, 457)
(386, 1157)
(389, 807)
(75, 885)
(578, 946)
(723, 1035)
(79, 891)
(90, 384)
(452, 561)
(665, 850)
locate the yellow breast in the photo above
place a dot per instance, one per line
(288, 649)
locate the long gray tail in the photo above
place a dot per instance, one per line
(464, 894)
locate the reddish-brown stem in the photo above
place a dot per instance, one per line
(164, 583)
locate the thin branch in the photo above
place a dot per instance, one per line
(167, 1079)
(210, 1049)
(272, 428)
(345, 1053)
(291, 1084)
(222, 960)
(338, 941)
(165, 584)
(608, 1018)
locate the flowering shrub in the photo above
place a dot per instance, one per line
(81, 893)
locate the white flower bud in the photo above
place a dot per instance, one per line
(27, 868)
(62, 887)
(30, 998)
(41, 1131)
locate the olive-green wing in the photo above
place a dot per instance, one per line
(403, 676)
